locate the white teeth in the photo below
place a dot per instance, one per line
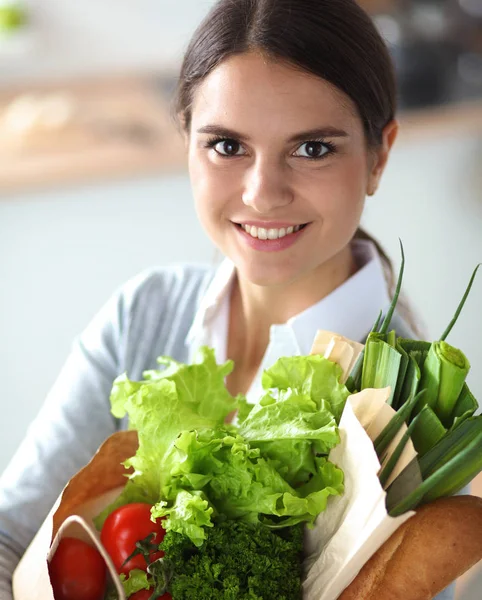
(269, 234)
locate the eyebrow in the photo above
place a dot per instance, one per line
(320, 132)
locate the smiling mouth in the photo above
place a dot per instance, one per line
(270, 234)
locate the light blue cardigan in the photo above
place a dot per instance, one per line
(150, 316)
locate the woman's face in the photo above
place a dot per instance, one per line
(279, 168)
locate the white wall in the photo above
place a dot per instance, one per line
(102, 36)
(431, 198)
(61, 256)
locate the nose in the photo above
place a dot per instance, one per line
(266, 187)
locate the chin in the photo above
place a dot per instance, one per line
(267, 273)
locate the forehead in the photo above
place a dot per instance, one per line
(255, 91)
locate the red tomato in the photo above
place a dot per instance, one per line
(123, 528)
(146, 594)
(77, 571)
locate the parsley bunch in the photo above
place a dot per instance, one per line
(237, 561)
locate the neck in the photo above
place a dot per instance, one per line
(255, 308)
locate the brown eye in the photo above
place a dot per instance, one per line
(314, 150)
(229, 148)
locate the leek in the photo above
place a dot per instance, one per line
(393, 427)
(391, 310)
(464, 467)
(449, 479)
(392, 461)
(411, 380)
(443, 376)
(381, 364)
(402, 373)
(452, 444)
(465, 407)
(460, 306)
(353, 382)
(428, 430)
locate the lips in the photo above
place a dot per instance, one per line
(270, 239)
(271, 233)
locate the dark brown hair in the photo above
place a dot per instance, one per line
(335, 40)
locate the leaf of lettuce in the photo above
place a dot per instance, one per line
(291, 415)
(201, 384)
(238, 482)
(313, 375)
(290, 429)
(189, 515)
(137, 580)
(160, 408)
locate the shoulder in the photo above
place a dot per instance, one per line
(156, 309)
(166, 286)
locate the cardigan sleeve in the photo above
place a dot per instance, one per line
(150, 315)
(74, 420)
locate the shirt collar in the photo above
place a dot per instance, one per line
(216, 293)
(350, 310)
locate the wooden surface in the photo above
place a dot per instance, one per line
(109, 129)
(121, 127)
(458, 119)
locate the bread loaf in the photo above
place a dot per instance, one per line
(427, 553)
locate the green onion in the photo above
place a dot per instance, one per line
(461, 305)
(452, 444)
(443, 376)
(391, 310)
(385, 473)
(466, 406)
(464, 467)
(381, 365)
(410, 381)
(416, 347)
(402, 373)
(449, 479)
(353, 382)
(428, 430)
(393, 427)
(377, 322)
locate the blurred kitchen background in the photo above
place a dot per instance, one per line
(93, 184)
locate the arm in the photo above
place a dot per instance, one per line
(73, 422)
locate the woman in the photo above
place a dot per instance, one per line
(287, 108)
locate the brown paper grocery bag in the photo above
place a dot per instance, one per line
(85, 495)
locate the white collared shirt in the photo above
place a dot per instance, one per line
(350, 310)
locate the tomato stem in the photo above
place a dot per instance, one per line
(144, 547)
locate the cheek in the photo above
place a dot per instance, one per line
(211, 193)
(201, 187)
(341, 193)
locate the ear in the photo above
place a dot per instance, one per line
(380, 156)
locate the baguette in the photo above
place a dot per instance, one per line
(427, 553)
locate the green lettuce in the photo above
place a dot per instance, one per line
(312, 375)
(197, 470)
(239, 483)
(169, 401)
(137, 580)
(291, 429)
